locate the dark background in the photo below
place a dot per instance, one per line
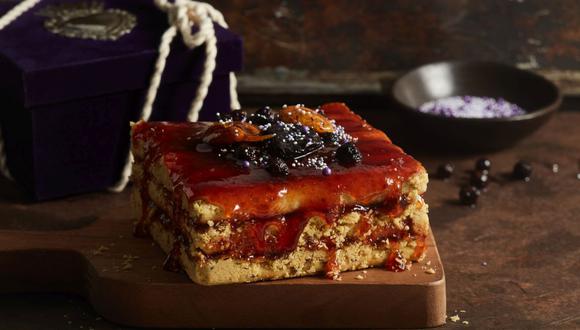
(347, 47)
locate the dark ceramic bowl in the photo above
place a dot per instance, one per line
(538, 96)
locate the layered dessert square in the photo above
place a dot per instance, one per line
(278, 194)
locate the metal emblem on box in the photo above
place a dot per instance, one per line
(88, 20)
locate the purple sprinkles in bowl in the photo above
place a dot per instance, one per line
(471, 107)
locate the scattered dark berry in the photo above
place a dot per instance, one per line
(277, 167)
(522, 171)
(245, 164)
(479, 179)
(326, 171)
(468, 195)
(246, 152)
(291, 141)
(239, 115)
(266, 112)
(226, 116)
(330, 139)
(483, 164)
(263, 116)
(348, 154)
(257, 119)
(445, 171)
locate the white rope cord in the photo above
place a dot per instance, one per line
(182, 15)
(5, 20)
(16, 12)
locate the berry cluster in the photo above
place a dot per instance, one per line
(294, 137)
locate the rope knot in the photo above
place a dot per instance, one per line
(184, 14)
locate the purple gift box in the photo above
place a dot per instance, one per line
(67, 101)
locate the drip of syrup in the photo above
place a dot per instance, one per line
(172, 263)
(332, 267)
(395, 261)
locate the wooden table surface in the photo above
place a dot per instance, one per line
(511, 262)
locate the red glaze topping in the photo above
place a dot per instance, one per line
(253, 193)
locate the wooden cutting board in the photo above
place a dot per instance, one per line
(84, 245)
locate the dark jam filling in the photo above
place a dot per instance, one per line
(277, 237)
(245, 193)
(274, 238)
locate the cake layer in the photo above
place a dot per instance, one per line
(357, 239)
(408, 218)
(204, 212)
(163, 196)
(301, 262)
(213, 189)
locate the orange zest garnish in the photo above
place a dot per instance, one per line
(233, 132)
(302, 115)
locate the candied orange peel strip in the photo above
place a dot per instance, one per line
(299, 114)
(233, 132)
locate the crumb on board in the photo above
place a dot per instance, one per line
(428, 263)
(127, 263)
(465, 322)
(454, 318)
(126, 266)
(430, 271)
(359, 277)
(99, 251)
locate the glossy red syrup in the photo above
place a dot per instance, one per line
(395, 261)
(259, 203)
(264, 237)
(332, 268)
(171, 262)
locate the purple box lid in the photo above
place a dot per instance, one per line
(41, 67)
